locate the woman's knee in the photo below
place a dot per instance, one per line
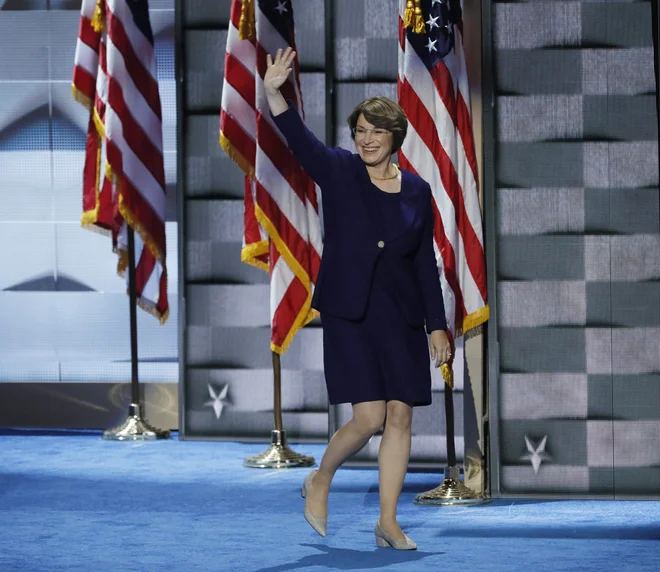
(399, 415)
(369, 417)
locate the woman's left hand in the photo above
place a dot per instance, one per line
(440, 347)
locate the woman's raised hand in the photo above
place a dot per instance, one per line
(278, 71)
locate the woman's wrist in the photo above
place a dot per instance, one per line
(276, 101)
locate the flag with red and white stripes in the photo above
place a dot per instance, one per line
(433, 91)
(115, 77)
(282, 230)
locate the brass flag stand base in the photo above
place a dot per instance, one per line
(279, 455)
(135, 428)
(451, 492)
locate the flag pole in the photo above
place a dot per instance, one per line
(135, 427)
(279, 455)
(451, 491)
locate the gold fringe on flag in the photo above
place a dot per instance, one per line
(98, 123)
(81, 98)
(98, 21)
(306, 313)
(475, 319)
(122, 262)
(447, 374)
(250, 254)
(419, 18)
(235, 155)
(91, 217)
(133, 221)
(447, 368)
(413, 17)
(408, 14)
(143, 303)
(247, 23)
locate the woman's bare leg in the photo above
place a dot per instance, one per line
(368, 418)
(393, 459)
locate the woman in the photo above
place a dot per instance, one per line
(377, 288)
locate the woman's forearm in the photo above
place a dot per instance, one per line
(276, 101)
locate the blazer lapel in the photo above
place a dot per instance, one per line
(409, 206)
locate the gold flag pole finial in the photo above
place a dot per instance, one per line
(246, 25)
(98, 20)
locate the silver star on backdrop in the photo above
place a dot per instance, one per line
(281, 8)
(535, 454)
(218, 400)
(473, 466)
(431, 46)
(432, 22)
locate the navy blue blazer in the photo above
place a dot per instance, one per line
(354, 234)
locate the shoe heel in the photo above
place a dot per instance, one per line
(382, 542)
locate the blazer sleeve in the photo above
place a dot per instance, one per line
(427, 272)
(319, 161)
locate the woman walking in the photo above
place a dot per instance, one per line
(378, 293)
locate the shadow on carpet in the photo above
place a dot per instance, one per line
(345, 559)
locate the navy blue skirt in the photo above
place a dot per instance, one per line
(379, 357)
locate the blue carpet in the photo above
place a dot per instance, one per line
(75, 502)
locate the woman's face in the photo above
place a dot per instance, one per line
(374, 144)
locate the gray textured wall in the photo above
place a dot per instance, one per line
(578, 247)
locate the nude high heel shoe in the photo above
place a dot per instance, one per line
(384, 540)
(318, 524)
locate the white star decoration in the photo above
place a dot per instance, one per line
(473, 465)
(436, 2)
(218, 400)
(431, 46)
(432, 22)
(281, 7)
(536, 454)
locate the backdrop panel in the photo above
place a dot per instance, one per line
(226, 372)
(576, 220)
(225, 354)
(65, 313)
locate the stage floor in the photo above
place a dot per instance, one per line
(75, 502)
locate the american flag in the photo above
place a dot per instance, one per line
(115, 77)
(433, 91)
(282, 231)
